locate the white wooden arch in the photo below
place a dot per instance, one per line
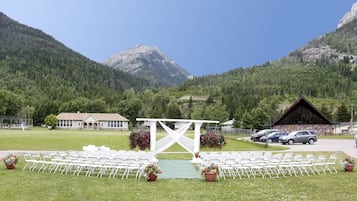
(175, 136)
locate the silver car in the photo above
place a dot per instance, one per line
(302, 136)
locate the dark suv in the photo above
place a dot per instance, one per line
(303, 136)
(258, 135)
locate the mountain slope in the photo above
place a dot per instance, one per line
(150, 63)
(325, 68)
(35, 65)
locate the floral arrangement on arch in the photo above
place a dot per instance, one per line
(10, 159)
(212, 139)
(140, 139)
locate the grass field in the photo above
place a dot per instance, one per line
(26, 185)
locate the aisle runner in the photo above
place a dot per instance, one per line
(178, 169)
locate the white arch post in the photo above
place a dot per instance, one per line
(152, 135)
(196, 147)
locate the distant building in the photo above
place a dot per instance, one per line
(94, 121)
(227, 126)
(302, 115)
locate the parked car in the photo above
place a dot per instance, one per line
(258, 135)
(273, 137)
(302, 136)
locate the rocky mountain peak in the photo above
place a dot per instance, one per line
(349, 16)
(150, 63)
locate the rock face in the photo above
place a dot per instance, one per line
(150, 63)
(333, 47)
(325, 52)
(349, 16)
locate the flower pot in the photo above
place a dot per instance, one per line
(210, 176)
(152, 177)
(349, 168)
(10, 166)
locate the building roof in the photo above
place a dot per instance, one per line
(228, 123)
(302, 112)
(97, 116)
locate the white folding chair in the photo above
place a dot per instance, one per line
(331, 163)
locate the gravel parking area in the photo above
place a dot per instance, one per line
(346, 146)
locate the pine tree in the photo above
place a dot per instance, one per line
(343, 115)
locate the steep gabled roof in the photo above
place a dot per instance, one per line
(302, 112)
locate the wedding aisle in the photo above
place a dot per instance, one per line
(178, 169)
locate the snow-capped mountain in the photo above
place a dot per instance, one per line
(150, 63)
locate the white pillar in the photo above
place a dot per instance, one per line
(196, 142)
(152, 136)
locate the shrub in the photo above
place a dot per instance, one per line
(133, 139)
(212, 139)
(51, 121)
(140, 139)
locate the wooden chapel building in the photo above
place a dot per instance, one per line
(302, 115)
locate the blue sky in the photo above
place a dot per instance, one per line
(203, 36)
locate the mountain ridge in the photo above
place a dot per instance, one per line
(30, 56)
(349, 16)
(324, 67)
(149, 62)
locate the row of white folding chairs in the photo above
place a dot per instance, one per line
(88, 166)
(244, 154)
(112, 154)
(93, 148)
(275, 166)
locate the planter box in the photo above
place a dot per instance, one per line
(349, 168)
(152, 177)
(210, 176)
(10, 166)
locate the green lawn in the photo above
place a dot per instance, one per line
(21, 184)
(43, 139)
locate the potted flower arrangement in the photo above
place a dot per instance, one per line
(10, 161)
(152, 171)
(348, 164)
(210, 172)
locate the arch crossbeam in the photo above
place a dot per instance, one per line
(175, 136)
